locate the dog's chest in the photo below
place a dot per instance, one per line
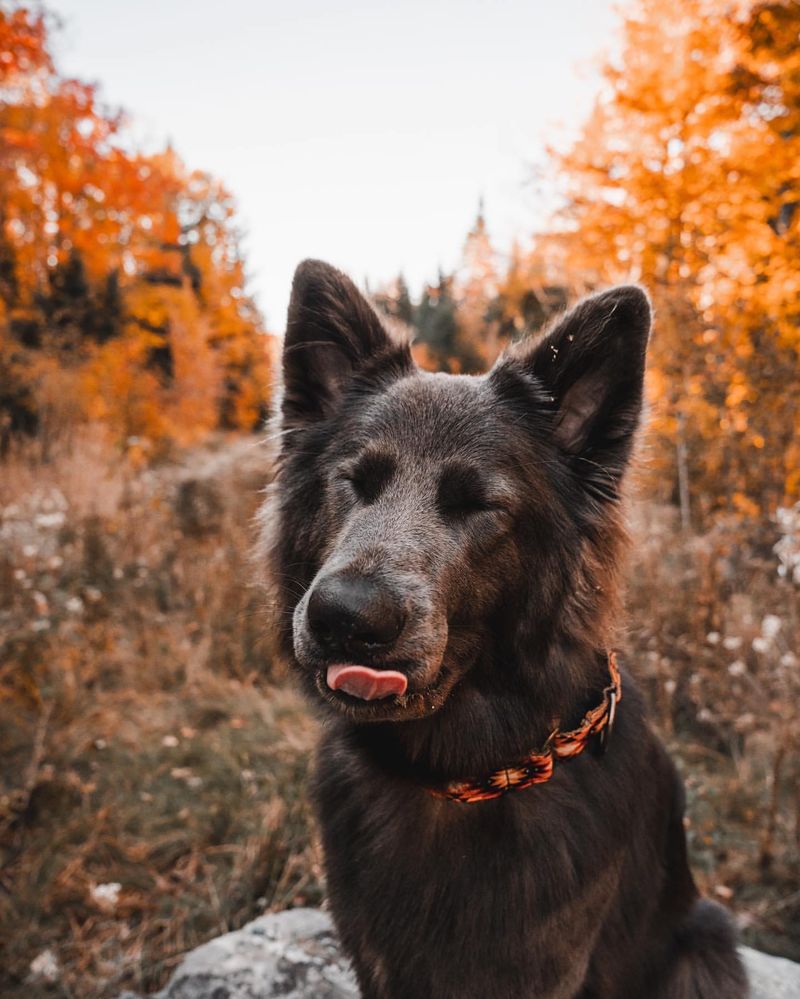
(487, 899)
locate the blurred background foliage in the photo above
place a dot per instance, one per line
(153, 757)
(122, 286)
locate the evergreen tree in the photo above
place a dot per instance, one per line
(67, 304)
(436, 320)
(109, 312)
(395, 301)
(404, 307)
(476, 289)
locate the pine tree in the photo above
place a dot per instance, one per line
(437, 326)
(404, 307)
(67, 304)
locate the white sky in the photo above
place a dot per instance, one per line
(360, 131)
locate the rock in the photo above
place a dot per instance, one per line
(295, 955)
(771, 977)
(292, 954)
(224, 483)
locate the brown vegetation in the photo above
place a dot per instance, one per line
(144, 742)
(152, 761)
(147, 743)
(713, 634)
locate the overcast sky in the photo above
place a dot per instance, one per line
(360, 132)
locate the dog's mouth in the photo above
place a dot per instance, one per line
(364, 693)
(366, 683)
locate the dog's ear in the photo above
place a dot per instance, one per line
(589, 373)
(332, 335)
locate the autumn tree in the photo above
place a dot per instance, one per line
(122, 282)
(530, 293)
(683, 179)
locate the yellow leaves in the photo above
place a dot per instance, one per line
(739, 422)
(737, 394)
(22, 44)
(792, 492)
(744, 505)
(686, 175)
(119, 391)
(156, 238)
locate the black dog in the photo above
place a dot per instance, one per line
(498, 818)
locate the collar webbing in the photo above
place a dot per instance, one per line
(538, 767)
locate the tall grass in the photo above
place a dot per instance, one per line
(153, 762)
(153, 767)
(714, 627)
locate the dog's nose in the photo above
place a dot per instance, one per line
(354, 613)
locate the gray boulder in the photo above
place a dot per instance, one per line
(295, 955)
(292, 954)
(771, 977)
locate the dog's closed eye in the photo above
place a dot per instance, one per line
(463, 493)
(369, 476)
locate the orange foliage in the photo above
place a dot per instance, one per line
(686, 178)
(124, 267)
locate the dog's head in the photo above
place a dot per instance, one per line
(423, 526)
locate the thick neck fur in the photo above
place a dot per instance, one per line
(497, 715)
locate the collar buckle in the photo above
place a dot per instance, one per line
(604, 735)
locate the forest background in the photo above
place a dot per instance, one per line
(153, 756)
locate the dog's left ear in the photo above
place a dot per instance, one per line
(333, 335)
(589, 371)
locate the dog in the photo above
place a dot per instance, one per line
(497, 817)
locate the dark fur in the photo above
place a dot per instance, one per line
(490, 508)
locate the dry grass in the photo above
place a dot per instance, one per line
(714, 636)
(147, 744)
(144, 741)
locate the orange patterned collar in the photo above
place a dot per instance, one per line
(538, 767)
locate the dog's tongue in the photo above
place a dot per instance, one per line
(368, 684)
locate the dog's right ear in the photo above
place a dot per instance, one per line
(333, 335)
